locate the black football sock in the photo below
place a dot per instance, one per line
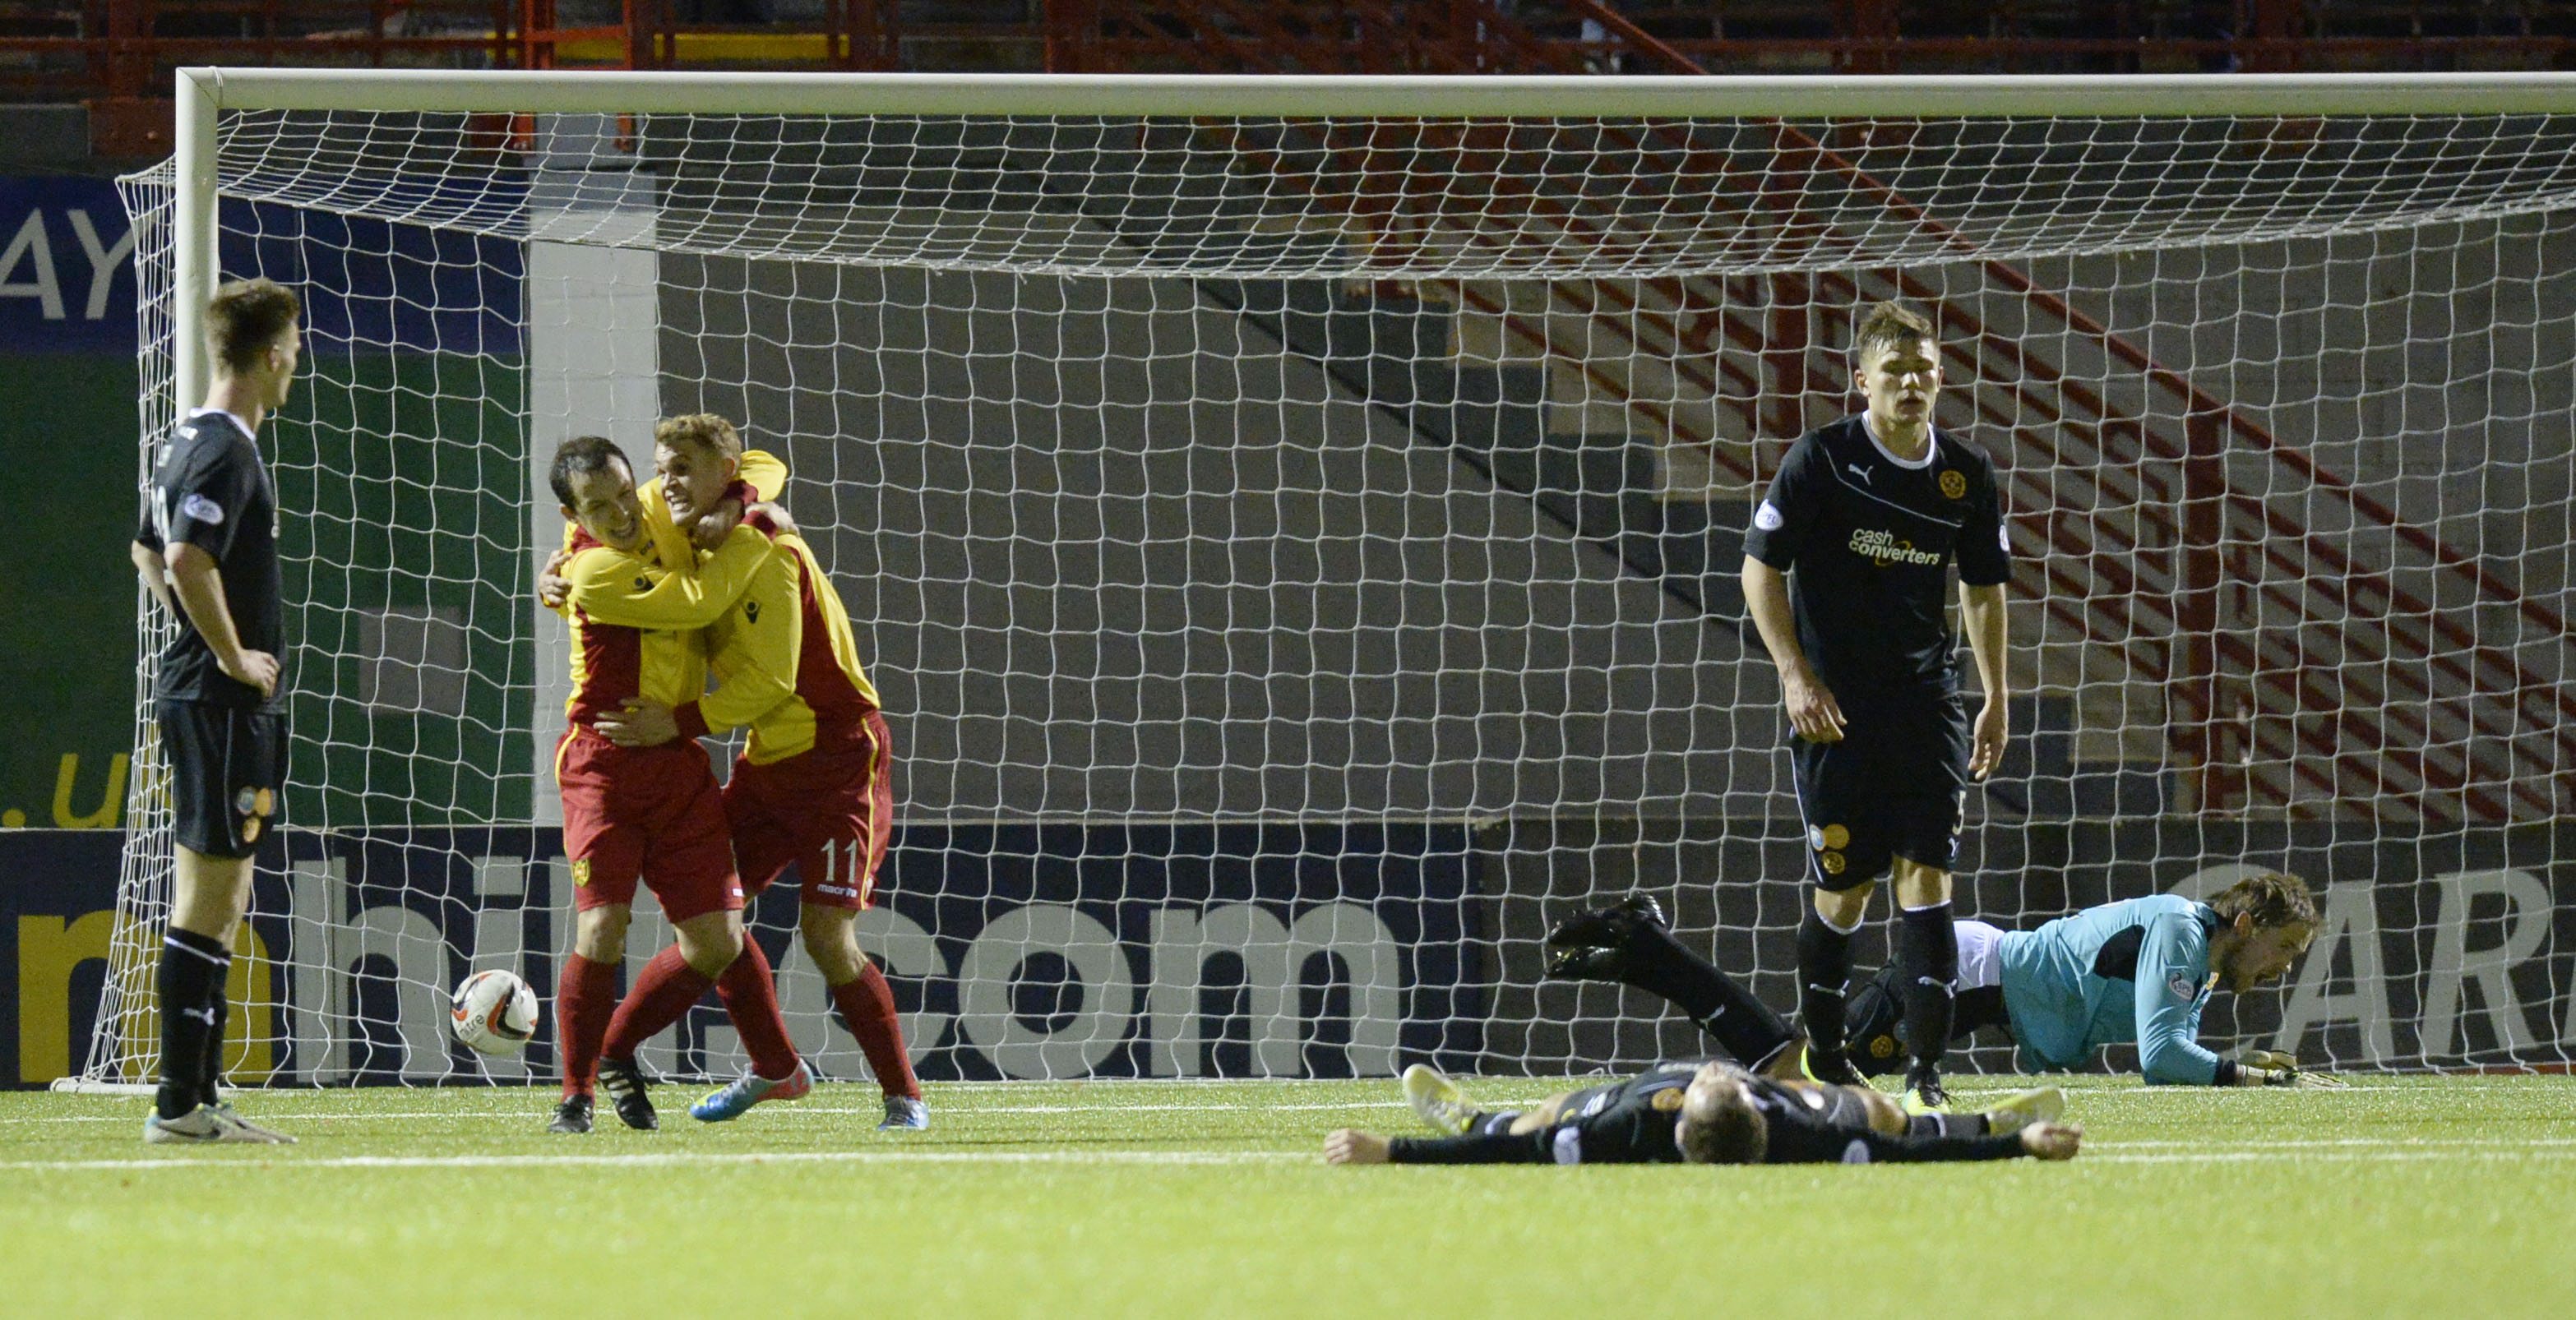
(191, 976)
(1493, 1125)
(212, 1091)
(1947, 1125)
(1927, 954)
(1874, 1024)
(1824, 968)
(1742, 1025)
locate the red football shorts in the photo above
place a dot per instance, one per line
(645, 814)
(826, 812)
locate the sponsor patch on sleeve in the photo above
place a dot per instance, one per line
(202, 510)
(2182, 987)
(1768, 517)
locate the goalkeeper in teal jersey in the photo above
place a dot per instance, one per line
(2140, 970)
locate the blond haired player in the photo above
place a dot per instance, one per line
(812, 788)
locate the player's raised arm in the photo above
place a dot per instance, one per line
(618, 588)
(761, 653)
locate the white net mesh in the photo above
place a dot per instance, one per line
(1299, 555)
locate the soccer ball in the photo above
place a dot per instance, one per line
(495, 1013)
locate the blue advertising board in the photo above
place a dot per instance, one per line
(1014, 951)
(67, 275)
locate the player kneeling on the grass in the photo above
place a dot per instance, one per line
(1710, 1113)
(2140, 970)
(207, 549)
(649, 815)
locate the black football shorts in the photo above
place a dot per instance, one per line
(227, 774)
(1891, 788)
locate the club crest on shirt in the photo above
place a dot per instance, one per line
(1954, 484)
(2182, 987)
(1882, 1047)
(1667, 1100)
(1831, 861)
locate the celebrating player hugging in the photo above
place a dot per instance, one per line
(647, 814)
(1869, 513)
(812, 790)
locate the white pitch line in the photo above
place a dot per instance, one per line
(2329, 1156)
(267, 1163)
(2335, 1143)
(270, 1163)
(288, 1114)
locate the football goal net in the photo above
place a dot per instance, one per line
(1295, 526)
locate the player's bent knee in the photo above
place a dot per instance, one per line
(1845, 907)
(599, 934)
(831, 940)
(711, 942)
(1918, 885)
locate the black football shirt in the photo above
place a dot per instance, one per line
(1631, 1122)
(1871, 540)
(212, 492)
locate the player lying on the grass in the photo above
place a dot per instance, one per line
(813, 788)
(1710, 1113)
(649, 815)
(2139, 970)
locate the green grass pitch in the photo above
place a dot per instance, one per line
(2402, 1195)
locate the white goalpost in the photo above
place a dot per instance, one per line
(1294, 522)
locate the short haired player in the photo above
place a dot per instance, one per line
(812, 788)
(2140, 971)
(647, 815)
(1846, 570)
(207, 548)
(1715, 1112)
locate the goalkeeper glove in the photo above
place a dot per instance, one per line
(2273, 1068)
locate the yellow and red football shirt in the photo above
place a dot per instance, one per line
(636, 623)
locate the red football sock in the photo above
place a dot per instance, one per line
(750, 995)
(585, 994)
(662, 992)
(867, 1006)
